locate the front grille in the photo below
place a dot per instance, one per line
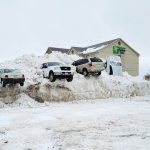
(65, 68)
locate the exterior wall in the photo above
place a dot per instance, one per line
(130, 60)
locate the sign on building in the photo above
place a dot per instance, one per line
(118, 50)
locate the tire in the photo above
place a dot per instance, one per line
(111, 71)
(99, 73)
(70, 78)
(22, 84)
(105, 65)
(85, 72)
(52, 77)
(3, 83)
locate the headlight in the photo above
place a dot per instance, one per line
(56, 68)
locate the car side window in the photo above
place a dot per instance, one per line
(96, 60)
(1, 71)
(78, 62)
(44, 65)
(84, 61)
(75, 63)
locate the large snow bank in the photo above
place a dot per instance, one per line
(104, 86)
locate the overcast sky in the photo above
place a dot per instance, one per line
(30, 26)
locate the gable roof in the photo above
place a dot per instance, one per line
(100, 46)
(81, 49)
(63, 50)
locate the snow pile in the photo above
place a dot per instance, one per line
(80, 88)
(93, 49)
(30, 64)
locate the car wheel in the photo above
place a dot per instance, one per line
(70, 79)
(22, 84)
(3, 83)
(99, 73)
(52, 77)
(43, 75)
(85, 72)
(111, 71)
(105, 65)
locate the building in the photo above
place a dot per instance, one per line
(129, 57)
(50, 49)
(116, 47)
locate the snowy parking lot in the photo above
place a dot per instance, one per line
(106, 124)
(95, 113)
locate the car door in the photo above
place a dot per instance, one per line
(97, 63)
(83, 64)
(44, 69)
(117, 69)
(1, 72)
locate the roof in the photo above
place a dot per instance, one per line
(63, 50)
(88, 49)
(81, 49)
(93, 48)
(102, 44)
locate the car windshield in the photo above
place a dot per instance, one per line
(11, 71)
(54, 64)
(116, 63)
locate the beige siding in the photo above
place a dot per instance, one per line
(130, 59)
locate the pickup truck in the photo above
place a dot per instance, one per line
(57, 70)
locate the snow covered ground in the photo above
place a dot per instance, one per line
(94, 113)
(112, 124)
(40, 89)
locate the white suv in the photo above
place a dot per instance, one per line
(91, 65)
(54, 70)
(13, 76)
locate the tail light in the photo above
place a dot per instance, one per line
(6, 76)
(23, 76)
(90, 64)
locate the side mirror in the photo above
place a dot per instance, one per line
(73, 63)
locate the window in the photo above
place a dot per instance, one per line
(45, 65)
(119, 43)
(11, 71)
(54, 64)
(1, 71)
(84, 61)
(96, 59)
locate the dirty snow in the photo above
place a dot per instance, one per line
(93, 113)
(112, 124)
(40, 89)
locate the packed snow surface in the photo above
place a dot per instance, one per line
(103, 112)
(93, 87)
(112, 124)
